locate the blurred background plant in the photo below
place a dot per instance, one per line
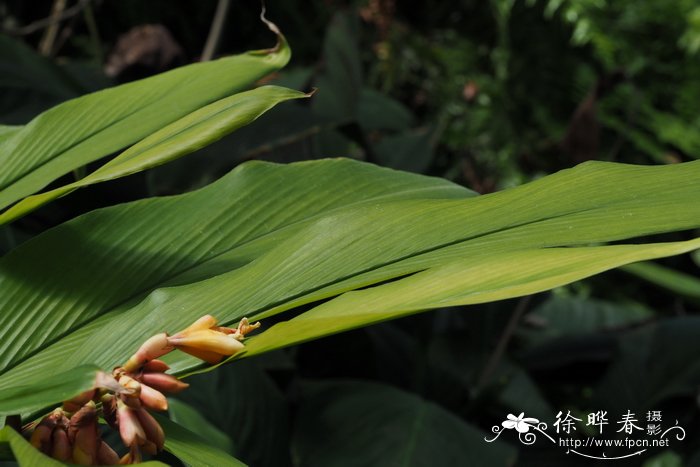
(487, 94)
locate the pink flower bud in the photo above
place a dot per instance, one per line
(133, 386)
(153, 399)
(133, 402)
(156, 366)
(163, 382)
(106, 455)
(154, 432)
(130, 429)
(154, 347)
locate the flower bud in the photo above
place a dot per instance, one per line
(82, 432)
(134, 387)
(154, 347)
(109, 409)
(156, 366)
(152, 429)
(153, 399)
(149, 448)
(130, 429)
(41, 438)
(163, 382)
(106, 455)
(207, 356)
(61, 448)
(208, 340)
(205, 322)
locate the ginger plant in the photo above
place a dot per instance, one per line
(125, 398)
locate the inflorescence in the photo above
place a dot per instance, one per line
(123, 399)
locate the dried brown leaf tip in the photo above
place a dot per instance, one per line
(124, 398)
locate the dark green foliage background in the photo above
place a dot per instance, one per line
(487, 94)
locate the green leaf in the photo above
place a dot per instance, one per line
(7, 131)
(665, 459)
(268, 238)
(340, 81)
(53, 389)
(460, 282)
(672, 280)
(564, 317)
(653, 365)
(409, 150)
(184, 414)
(30, 82)
(180, 138)
(243, 402)
(406, 430)
(377, 111)
(90, 127)
(192, 449)
(246, 213)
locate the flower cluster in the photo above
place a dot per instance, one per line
(124, 399)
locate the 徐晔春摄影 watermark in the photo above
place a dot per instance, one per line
(630, 433)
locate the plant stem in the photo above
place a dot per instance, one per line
(502, 344)
(91, 23)
(49, 37)
(217, 27)
(52, 19)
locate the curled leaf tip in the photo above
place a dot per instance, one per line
(271, 26)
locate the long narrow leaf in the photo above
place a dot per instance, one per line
(180, 138)
(104, 262)
(269, 238)
(90, 127)
(463, 282)
(670, 279)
